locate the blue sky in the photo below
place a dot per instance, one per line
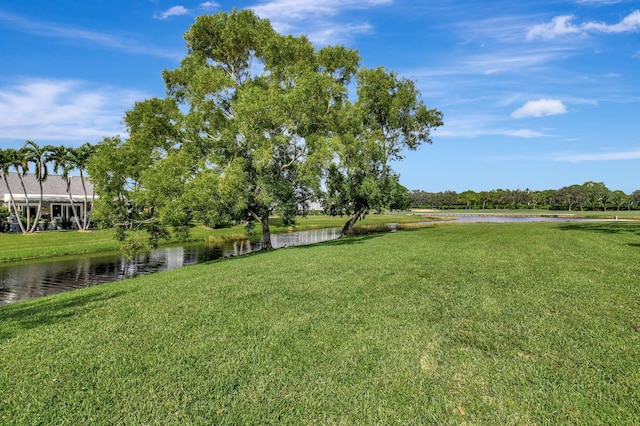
(535, 95)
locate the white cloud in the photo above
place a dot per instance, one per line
(630, 23)
(464, 131)
(62, 110)
(296, 9)
(316, 18)
(562, 25)
(520, 61)
(608, 156)
(209, 5)
(540, 108)
(181, 10)
(480, 125)
(526, 133)
(172, 11)
(337, 34)
(505, 29)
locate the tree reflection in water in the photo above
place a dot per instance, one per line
(28, 281)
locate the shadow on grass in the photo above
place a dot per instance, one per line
(24, 316)
(354, 239)
(359, 239)
(603, 227)
(611, 228)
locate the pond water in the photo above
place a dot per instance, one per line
(36, 279)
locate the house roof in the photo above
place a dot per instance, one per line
(54, 188)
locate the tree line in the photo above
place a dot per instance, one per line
(40, 160)
(256, 124)
(588, 196)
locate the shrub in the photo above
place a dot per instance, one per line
(4, 219)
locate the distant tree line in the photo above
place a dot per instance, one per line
(593, 196)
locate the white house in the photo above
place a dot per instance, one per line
(57, 201)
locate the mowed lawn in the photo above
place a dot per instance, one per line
(451, 324)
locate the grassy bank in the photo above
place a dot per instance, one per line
(477, 324)
(16, 247)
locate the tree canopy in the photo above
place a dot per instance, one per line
(255, 123)
(386, 119)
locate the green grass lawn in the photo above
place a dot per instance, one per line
(15, 247)
(463, 324)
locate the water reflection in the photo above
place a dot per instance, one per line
(28, 281)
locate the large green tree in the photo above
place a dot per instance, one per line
(469, 198)
(619, 198)
(571, 196)
(242, 133)
(597, 194)
(387, 119)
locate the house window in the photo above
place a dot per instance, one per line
(66, 211)
(76, 208)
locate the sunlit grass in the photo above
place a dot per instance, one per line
(16, 247)
(472, 324)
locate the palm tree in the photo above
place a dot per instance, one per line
(66, 160)
(81, 158)
(8, 158)
(40, 156)
(63, 160)
(20, 163)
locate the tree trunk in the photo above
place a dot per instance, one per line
(15, 207)
(73, 211)
(346, 229)
(85, 219)
(27, 227)
(266, 233)
(34, 227)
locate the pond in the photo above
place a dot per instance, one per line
(36, 279)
